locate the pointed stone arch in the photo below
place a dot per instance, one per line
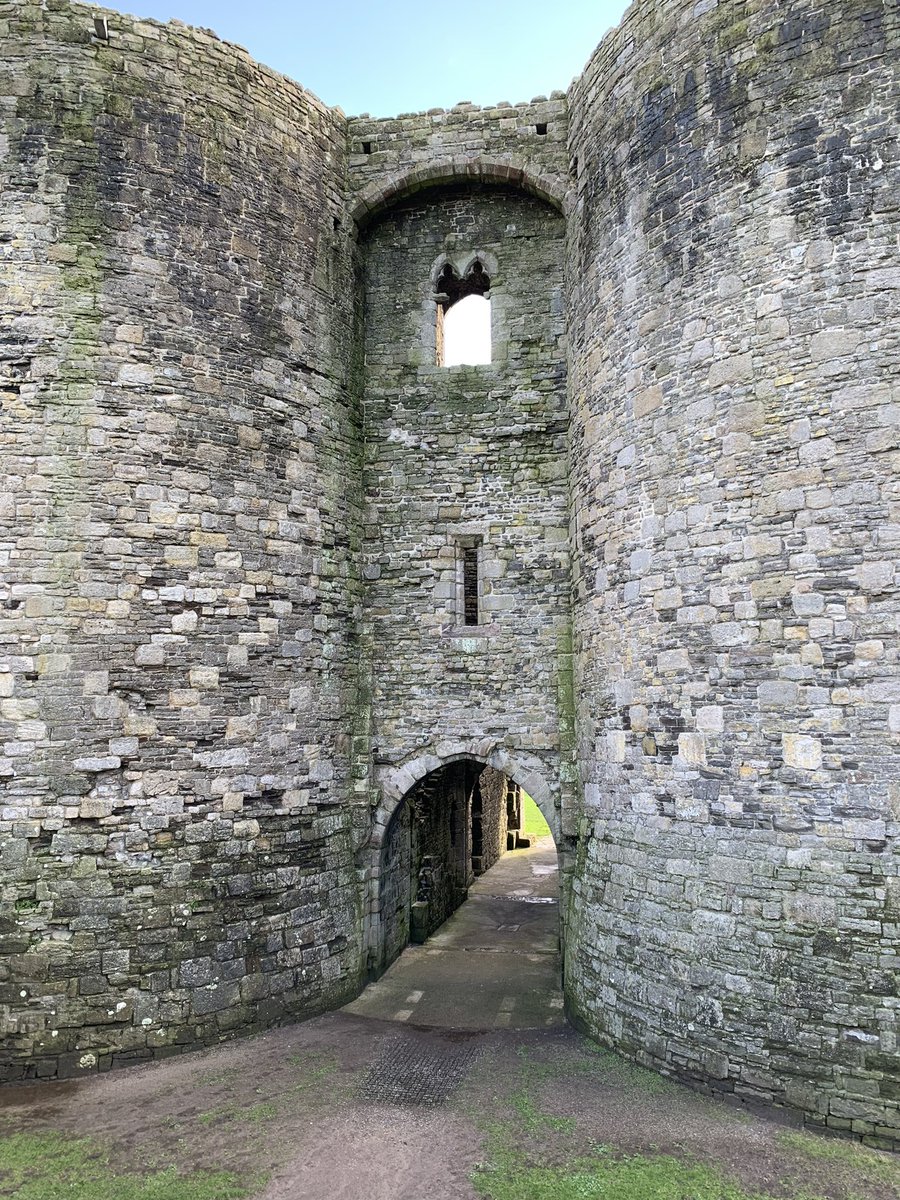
(398, 779)
(506, 171)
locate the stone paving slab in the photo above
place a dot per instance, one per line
(493, 965)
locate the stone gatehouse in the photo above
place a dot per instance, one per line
(271, 569)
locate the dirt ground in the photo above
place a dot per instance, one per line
(298, 1110)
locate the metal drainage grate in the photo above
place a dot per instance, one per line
(416, 1071)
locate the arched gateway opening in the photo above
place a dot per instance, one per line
(465, 880)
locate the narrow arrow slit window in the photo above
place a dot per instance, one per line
(470, 585)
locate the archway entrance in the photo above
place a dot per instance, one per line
(468, 903)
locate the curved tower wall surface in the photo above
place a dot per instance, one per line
(177, 515)
(237, 488)
(733, 326)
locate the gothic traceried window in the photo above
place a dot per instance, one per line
(463, 334)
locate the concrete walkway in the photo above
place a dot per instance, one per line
(493, 965)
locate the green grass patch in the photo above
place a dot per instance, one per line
(226, 1075)
(315, 1085)
(872, 1166)
(532, 1121)
(616, 1069)
(637, 1178)
(533, 822)
(48, 1167)
(600, 1063)
(322, 1084)
(531, 1154)
(256, 1114)
(317, 1068)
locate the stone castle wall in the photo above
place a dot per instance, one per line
(450, 455)
(179, 458)
(493, 819)
(234, 480)
(525, 145)
(461, 453)
(733, 325)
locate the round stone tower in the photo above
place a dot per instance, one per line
(179, 470)
(734, 466)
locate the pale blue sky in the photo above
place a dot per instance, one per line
(407, 55)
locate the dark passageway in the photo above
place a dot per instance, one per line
(452, 826)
